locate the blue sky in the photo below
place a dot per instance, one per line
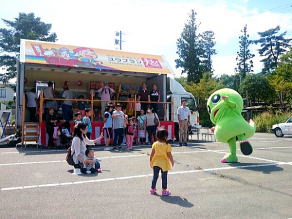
(153, 26)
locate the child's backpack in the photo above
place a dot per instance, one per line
(69, 157)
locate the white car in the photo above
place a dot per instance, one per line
(282, 129)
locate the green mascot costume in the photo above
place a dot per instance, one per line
(225, 107)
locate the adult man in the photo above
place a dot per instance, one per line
(67, 104)
(31, 104)
(50, 93)
(183, 114)
(118, 126)
(105, 93)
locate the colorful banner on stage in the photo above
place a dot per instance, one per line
(47, 53)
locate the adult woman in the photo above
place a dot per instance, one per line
(142, 127)
(152, 121)
(78, 148)
(50, 125)
(154, 96)
(143, 96)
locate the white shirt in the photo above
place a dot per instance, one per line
(67, 94)
(183, 112)
(78, 148)
(31, 99)
(48, 92)
(118, 122)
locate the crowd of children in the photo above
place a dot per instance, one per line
(120, 130)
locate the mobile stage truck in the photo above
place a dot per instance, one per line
(83, 69)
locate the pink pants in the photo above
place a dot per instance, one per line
(129, 140)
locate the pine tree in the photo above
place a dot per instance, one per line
(189, 50)
(208, 43)
(25, 26)
(273, 45)
(244, 56)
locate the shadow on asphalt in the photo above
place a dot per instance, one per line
(89, 175)
(177, 200)
(263, 169)
(43, 150)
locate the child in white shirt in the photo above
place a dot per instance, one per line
(91, 165)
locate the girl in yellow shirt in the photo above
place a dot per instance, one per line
(161, 160)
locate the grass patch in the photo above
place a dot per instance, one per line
(266, 120)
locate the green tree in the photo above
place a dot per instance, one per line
(256, 88)
(207, 44)
(189, 50)
(281, 79)
(230, 81)
(202, 90)
(273, 44)
(244, 56)
(25, 26)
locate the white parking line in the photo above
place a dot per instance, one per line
(32, 162)
(251, 157)
(99, 158)
(270, 148)
(200, 150)
(138, 176)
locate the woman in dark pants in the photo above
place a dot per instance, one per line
(50, 124)
(151, 127)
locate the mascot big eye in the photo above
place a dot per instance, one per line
(225, 107)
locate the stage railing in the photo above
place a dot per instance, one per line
(92, 101)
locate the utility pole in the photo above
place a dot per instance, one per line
(119, 41)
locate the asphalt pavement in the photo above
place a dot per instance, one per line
(38, 183)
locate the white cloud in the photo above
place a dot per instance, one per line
(224, 64)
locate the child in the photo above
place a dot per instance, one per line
(161, 160)
(65, 135)
(91, 165)
(108, 124)
(142, 127)
(81, 104)
(130, 130)
(78, 118)
(86, 120)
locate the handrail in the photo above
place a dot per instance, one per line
(115, 101)
(92, 101)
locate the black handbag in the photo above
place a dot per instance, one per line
(156, 121)
(69, 157)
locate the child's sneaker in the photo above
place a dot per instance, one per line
(153, 191)
(165, 193)
(77, 171)
(88, 172)
(99, 170)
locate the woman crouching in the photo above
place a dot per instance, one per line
(78, 149)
